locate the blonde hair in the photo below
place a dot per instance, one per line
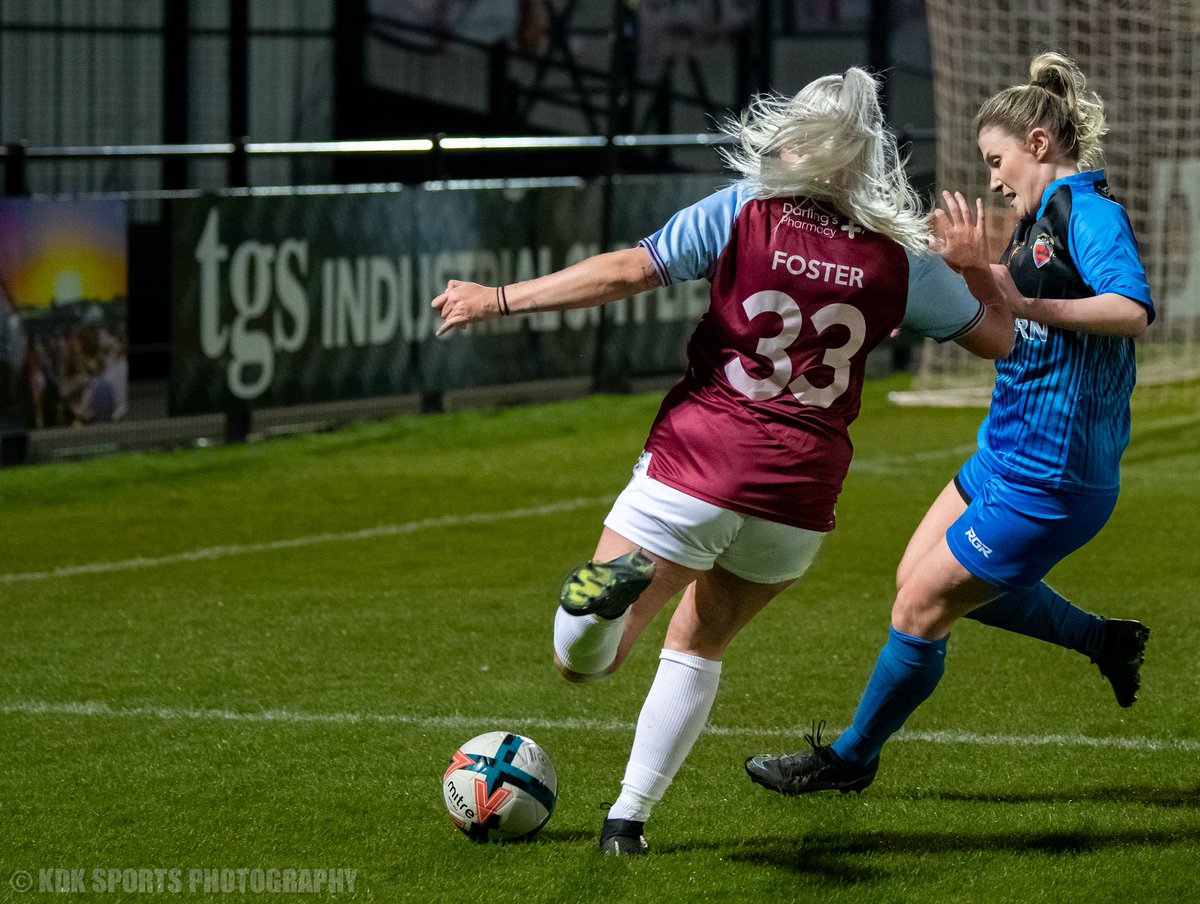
(1057, 99)
(829, 143)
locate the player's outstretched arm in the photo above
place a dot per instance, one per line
(597, 280)
(992, 336)
(961, 239)
(1109, 314)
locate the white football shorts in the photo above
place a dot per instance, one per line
(696, 534)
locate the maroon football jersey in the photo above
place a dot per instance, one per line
(759, 424)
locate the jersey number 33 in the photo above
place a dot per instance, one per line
(775, 349)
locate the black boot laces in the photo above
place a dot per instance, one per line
(814, 739)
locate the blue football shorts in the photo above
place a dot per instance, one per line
(1013, 533)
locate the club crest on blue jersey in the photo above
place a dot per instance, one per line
(1043, 250)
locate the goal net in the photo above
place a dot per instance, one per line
(1143, 58)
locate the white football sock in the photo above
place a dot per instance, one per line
(671, 719)
(586, 644)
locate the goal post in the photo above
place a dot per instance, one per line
(1143, 58)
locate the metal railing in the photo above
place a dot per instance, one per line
(17, 156)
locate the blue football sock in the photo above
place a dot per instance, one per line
(906, 672)
(1045, 614)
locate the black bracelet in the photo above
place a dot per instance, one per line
(502, 301)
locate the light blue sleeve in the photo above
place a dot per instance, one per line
(1105, 251)
(688, 245)
(939, 303)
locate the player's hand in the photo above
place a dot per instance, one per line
(960, 237)
(1013, 299)
(464, 303)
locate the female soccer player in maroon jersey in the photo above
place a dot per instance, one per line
(814, 256)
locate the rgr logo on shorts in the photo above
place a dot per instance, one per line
(974, 540)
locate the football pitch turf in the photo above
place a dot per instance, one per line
(230, 661)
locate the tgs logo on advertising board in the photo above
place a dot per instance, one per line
(362, 301)
(257, 275)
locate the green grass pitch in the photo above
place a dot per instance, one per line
(261, 657)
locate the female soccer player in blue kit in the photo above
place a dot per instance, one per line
(1045, 477)
(814, 256)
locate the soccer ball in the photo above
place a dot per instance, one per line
(500, 786)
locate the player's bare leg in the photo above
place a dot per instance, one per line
(944, 511)
(1116, 646)
(712, 613)
(594, 644)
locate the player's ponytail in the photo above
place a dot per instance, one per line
(1057, 99)
(829, 142)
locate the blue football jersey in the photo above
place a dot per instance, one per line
(1060, 410)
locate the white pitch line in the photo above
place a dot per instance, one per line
(370, 533)
(883, 464)
(459, 721)
(1070, 739)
